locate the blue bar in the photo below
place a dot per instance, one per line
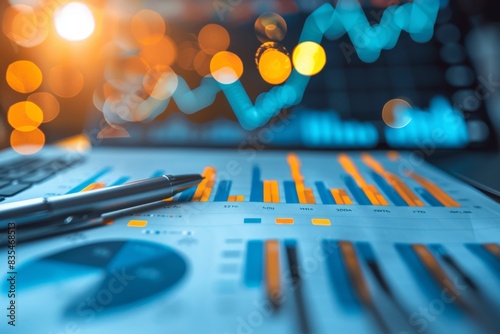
(252, 221)
(291, 192)
(356, 191)
(89, 181)
(365, 251)
(257, 191)
(254, 263)
(223, 190)
(428, 197)
(339, 277)
(326, 196)
(120, 181)
(158, 173)
(486, 256)
(423, 277)
(388, 190)
(187, 195)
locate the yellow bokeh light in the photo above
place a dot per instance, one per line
(148, 27)
(213, 38)
(274, 63)
(27, 142)
(25, 116)
(24, 76)
(395, 113)
(74, 21)
(66, 81)
(47, 103)
(309, 58)
(226, 67)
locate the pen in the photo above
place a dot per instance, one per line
(39, 212)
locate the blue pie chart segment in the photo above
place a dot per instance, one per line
(130, 271)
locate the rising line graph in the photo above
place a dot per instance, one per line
(417, 18)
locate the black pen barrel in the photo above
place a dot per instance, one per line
(96, 202)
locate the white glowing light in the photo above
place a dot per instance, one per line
(74, 21)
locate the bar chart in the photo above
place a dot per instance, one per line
(366, 182)
(276, 242)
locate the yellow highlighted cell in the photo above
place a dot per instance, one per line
(137, 223)
(284, 221)
(321, 222)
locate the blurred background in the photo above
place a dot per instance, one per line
(122, 73)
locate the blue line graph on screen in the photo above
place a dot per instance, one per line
(417, 18)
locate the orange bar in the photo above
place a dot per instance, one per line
(231, 199)
(209, 174)
(434, 190)
(348, 165)
(239, 198)
(337, 196)
(284, 221)
(408, 196)
(393, 155)
(345, 197)
(94, 186)
(309, 196)
(493, 249)
(375, 197)
(294, 163)
(432, 265)
(275, 192)
(273, 279)
(371, 196)
(268, 195)
(355, 273)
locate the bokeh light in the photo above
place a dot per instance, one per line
(27, 142)
(270, 27)
(163, 53)
(22, 24)
(148, 27)
(213, 38)
(226, 67)
(25, 116)
(396, 113)
(66, 81)
(273, 62)
(124, 73)
(309, 58)
(187, 53)
(201, 63)
(161, 83)
(47, 103)
(24, 76)
(74, 21)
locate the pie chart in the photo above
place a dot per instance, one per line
(123, 272)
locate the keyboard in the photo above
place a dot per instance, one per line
(20, 174)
